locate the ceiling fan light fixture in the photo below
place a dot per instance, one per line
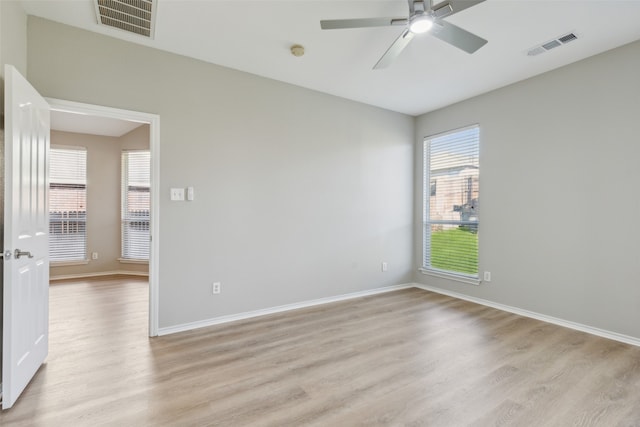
(420, 24)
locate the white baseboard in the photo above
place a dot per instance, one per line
(515, 310)
(103, 273)
(263, 312)
(543, 317)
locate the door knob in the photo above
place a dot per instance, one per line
(18, 253)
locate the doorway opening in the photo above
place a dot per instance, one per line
(133, 132)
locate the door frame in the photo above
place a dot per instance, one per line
(153, 120)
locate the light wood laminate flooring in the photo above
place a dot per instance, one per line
(404, 358)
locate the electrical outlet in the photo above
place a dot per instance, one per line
(487, 276)
(94, 255)
(216, 288)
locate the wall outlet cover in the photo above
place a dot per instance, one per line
(177, 194)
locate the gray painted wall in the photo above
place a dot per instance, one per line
(13, 36)
(103, 198)
(137, 139)
(299, 195)
(13, 42)
(559, 191)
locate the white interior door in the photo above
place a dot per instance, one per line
(26, 236)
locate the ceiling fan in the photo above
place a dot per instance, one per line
(424, 17)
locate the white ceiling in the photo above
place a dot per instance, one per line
(255, 36)
(91, 125)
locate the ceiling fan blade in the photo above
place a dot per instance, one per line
(459, 5)
(336, 24)
(456, 36)
(450, 7)
(394, 50)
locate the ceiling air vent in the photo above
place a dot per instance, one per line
(134, 16)
(568, 38)
(552, 44)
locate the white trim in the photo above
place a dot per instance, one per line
(521, 312)
(279, 309)
(98, 110)
(133, 261)
(68, 147)
(154, 249)
(451, 276)
(102, 273)
(543, 317)
(153, 120)
(55, 264)
(450, 131)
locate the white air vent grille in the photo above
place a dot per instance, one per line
(552, 44)
(536, 51)
(134, 16)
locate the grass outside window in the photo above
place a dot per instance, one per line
(455, 250)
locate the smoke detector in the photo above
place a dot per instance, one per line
(297, 50)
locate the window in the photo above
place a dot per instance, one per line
(451, 212)
(135, 204)
(67, 204)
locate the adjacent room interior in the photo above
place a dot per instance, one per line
(99, 197)
(446, 239)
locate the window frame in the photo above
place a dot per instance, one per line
(427, 189)
(83, 259)
(124, 192)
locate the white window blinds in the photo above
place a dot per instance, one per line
(68, 204)
(451, 194)
(136, 204)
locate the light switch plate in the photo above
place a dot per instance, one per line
(190, 193)
(177, 194)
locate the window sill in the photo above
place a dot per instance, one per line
(458, 278)
(133, 261)
(68, 263)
